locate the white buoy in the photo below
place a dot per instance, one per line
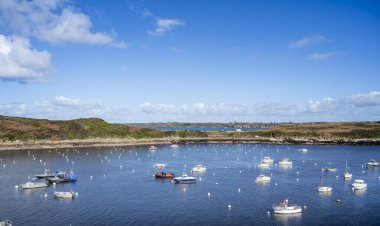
(216, 183)
(238, 190)
(91, 177)
(298, 179)
(46, 195)
(268, 213)
(184, 189)
(200, 179)
(209, 194)
(229, 206)
(337, 177)
(275, 184)
(16, 186)
(305, 207)
(121, 167)
(240, 171)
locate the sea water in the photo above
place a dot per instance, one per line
(116, 186)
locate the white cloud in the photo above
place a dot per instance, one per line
(357, 107)
(19, 61)
(68, 102)
(165, 25)
(51, 21)
(365, 100)
(324, 56)
(13, 109)
(308, 41)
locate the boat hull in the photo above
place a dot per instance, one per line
(185, 181)
(287, 210)
(160, 175)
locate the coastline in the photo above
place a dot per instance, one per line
(118, 142)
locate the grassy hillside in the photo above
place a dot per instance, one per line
(15, 128)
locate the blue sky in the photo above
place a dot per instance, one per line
(197, 61)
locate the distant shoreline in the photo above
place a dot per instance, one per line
(85, 143)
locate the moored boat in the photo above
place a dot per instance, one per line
(329, 169)
(359, 184)
(6, 223)
(262, 179)
(285, 162)
(164, 175)
(285, 208)
(347, 175)
(184, 179)
(31, 185)
(153, 148)
(322, 188)
(46, 174)
(159, 165)
(61, 177)
(64, 194)
(267, 159)
(199, 168)
(372, 163)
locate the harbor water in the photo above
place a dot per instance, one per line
(115, 186)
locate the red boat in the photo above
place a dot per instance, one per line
(164, 175)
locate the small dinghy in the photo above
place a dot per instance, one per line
(164, 175)
(64, 194)
(199, 168)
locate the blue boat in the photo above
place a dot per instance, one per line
(61, 177)
(184, 179)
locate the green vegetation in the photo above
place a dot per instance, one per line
(16, 128)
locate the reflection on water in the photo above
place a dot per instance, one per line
(360, 192)
(288, 219)
(285, 168)
(325, 193)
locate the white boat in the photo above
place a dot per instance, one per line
(267, 159)
(199, 168)
(159, 165)
(262, 179)
(359, 184)
(31, 185)
(285, 208)
(373, 163)
(347, 175)
(304, 150)
(174, 146)
(263, 165)
(152, 148)
(329, 169)
(322, 188)
(6, 223)
(184, 179)
(285, 162)
(64, 194)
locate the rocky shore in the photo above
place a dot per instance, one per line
(112, 142)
